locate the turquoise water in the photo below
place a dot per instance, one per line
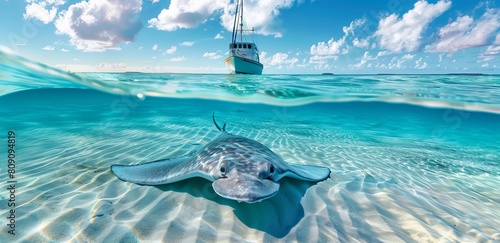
(413, 157)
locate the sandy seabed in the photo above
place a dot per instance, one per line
(66, 192)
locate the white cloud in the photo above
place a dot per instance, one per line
(155, 1)
(39, 9)
(106, 66)
(279, 59)
(282, 58)
(316, 59)
(382, 53)
(420, 64)
(365, 58)
(363, 43)
(64, 50)
(322, 66)
(334, 47)
(98, 25)
(187, 43)
(398, 34)
(485, 65)
(48, 48)
(171, 50)
(349, 30)
(178, 59)
(464, 32)
(188, 14)
(219, 36)
(322, 52)
(155, 47)
(50, 2)
(408, 57)
(490, 53)
(260, 15)
(211, 55)
(461, 25)
(321, 62)
(397, 63)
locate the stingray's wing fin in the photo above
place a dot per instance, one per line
(307, 172)
(160, 172)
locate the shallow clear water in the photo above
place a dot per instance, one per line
(413, 157)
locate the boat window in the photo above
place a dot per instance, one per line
(239, 45)
(245, 46)
(249, 46)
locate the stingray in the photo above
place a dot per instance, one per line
(240, 168)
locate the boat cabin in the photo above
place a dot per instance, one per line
(246, 50)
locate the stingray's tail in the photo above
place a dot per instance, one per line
(217, 125)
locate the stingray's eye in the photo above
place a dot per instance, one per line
(271, 169)
(222, 170)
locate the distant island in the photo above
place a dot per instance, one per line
(467, 74)
(464, 74)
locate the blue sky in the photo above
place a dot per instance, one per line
(294, 36)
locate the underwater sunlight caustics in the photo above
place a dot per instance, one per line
(242, 169)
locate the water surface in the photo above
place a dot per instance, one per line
(413, 157)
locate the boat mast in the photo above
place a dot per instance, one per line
(241, 22)
(235, 28)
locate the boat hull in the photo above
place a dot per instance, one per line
(240, 65)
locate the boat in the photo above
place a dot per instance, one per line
(243, 55)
